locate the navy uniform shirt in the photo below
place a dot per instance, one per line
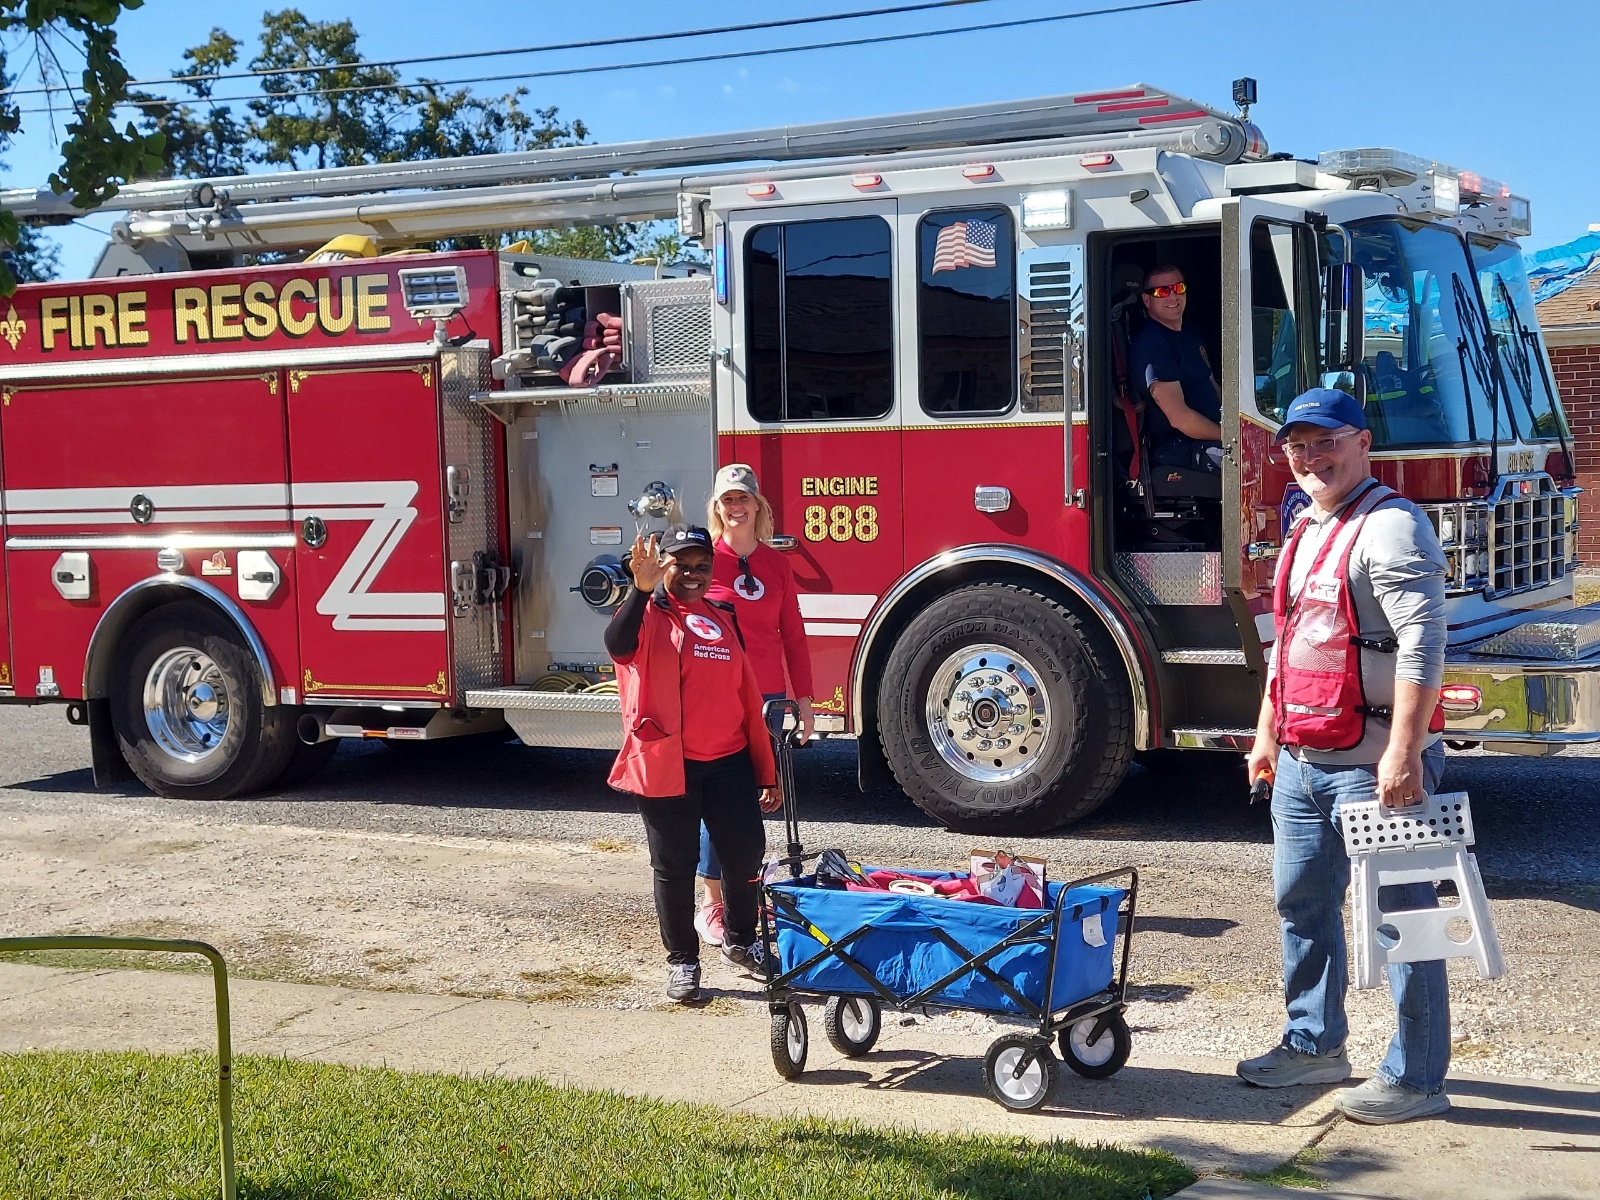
(1162, 355)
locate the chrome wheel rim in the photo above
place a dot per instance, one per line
(988, 714)
(855, 1018)
(795, 1036)
(186, 704)
(1096, 1055)
(1021, 1088)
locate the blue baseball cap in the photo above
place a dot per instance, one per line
(1326, 407)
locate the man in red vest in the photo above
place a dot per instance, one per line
(1351, 711)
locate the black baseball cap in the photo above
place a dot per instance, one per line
(682, 536)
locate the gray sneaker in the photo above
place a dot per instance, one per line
(749, 960)
(683, 982)
(1379, 1102)
(1284, 1066)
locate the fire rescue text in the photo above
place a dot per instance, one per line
(222, 312)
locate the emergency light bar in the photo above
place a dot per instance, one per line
(1430, 186)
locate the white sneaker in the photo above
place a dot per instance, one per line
(1379, 1102)
(1284, 1066)
(683, 982)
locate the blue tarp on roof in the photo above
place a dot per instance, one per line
(1553, 271)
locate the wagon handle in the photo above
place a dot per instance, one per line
(775, 713)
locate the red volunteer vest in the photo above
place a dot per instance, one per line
(650, 762)
(1317, 695)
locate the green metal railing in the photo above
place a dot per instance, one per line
(219, 979)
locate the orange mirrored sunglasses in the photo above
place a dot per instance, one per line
(1162, 291)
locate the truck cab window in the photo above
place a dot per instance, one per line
(820, 320)
(1276, 333)
(966, 311)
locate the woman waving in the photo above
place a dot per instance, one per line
(694, 745)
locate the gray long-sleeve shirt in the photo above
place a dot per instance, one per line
(1397, 572)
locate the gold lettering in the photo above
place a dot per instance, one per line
(260, 316)
(225, 309)
(839, 485)
(189, 314)
(130, 319)
(99, 311)
(372, 298)
(347, 309)
(75, 321)
(296, 289)
(52, 319)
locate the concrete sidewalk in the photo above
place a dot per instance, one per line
(1506, 1139)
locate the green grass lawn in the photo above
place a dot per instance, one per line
(97, 1126)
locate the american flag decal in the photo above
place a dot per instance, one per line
(964, 244)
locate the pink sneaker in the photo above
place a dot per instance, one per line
(708, 924)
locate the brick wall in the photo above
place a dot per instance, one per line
(1577, 372)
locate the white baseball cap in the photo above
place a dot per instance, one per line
(736, 477)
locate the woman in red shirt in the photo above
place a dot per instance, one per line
(756, 580)
(695, 747)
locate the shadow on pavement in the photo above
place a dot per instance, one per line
(1196, 927)
(1134, 1093)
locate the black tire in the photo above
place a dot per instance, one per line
(1061, 684)
(191, 655)
(1107, 1056)
(789, 1041)
(852, 1024)
(1032, 1089)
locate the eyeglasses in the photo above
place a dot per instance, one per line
(747, 581)
(1316, 447)
(1162, 290)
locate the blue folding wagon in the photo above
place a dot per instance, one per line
(863, 951)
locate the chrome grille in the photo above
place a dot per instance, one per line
(1520, 539)
(1527, 536)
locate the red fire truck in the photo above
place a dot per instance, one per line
(252, 509)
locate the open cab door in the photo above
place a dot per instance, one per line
(1271, 353)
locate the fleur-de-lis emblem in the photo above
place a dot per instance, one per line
(13, 327)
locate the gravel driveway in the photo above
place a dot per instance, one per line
(500, 870)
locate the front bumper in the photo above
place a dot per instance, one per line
(1527, 706)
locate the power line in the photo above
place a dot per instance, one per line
(631, 39)
(680, 61)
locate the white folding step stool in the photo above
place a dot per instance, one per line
(1423, 845)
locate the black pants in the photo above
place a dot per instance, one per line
(723, 794)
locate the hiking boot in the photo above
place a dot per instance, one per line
(1284, 1066)
(683, 981)
(748, 960)
(1379, 1102)
(708, 924)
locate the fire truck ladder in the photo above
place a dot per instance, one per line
(402, 203)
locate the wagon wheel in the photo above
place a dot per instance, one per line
(1019, 1073)
(852, 1024)
(1102, 1058)
(789, 1040)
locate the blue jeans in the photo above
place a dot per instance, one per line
(710, 867)
(1311, 874)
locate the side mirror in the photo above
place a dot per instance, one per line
(1343, 292)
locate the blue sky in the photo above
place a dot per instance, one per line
(1484, 86)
